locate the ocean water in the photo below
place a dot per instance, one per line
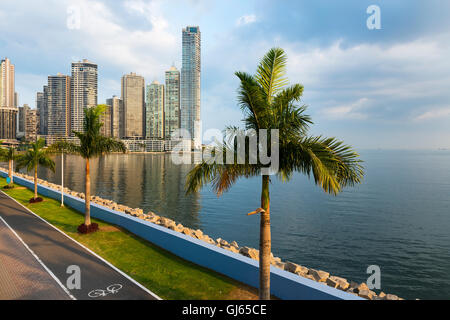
(397, 219)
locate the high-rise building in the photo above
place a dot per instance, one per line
(8, 123)
(133, 97)
(117, 115)
(22, 118)
(190, 83)
(7, 84)
(41, 105)
(155, 110)
(31, 125)
(8, 110)
(105, 118)
(58, 105)
(84, 86)
(172, 102)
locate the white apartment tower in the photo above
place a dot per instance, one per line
(84, 86)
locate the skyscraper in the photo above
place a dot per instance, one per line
(190, 83)
(58, 105)
(41, 105)
(8, 110)
(155, 111)
(22, 117)
(117, 116)
(84, 86)
(31, 125)
(7, 84)
(133, 97)
(172, 102)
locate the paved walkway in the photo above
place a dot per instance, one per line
(35, 257)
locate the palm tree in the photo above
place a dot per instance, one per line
(9, 155)
(36, 156)
(268, 103)
(92, 144)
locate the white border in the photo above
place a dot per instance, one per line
(89, 250)
(39, 260)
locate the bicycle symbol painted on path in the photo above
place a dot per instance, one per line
(112, 289)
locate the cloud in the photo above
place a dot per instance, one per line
(349, 111)
(389, 82)
(246, 19)
(434, 114)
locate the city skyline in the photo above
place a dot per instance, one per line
(354, 78)
(142, 112)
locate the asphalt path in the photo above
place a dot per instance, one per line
(37, 261)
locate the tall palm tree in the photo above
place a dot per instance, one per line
(92, 144)
(36, 156)
(9, 154)
(269, 103)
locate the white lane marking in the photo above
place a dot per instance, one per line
(89, 250)
(39, 260)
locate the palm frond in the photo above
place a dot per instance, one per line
(271, 72)
(332, 164)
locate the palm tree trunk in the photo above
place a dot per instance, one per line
(35, 183)
(264, 242)
(10, 171)
(87, 196)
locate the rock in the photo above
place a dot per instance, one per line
(342, 283)
(382, 295)
(362, 287)
(249, 252)
(222, 242)
(366, 294)
(391, 297)
(280, 265)
(295, 268)
(234, 244)
(198, 234)
(209, 240)
(166, 222)
(332, 283)
(187, 231)
(319, 275)
(353, 285)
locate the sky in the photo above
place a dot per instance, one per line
(385, 88)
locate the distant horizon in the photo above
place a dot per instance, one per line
(370, 88)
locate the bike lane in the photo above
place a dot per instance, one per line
(64, 257)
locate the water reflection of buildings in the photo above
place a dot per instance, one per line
(146, 181)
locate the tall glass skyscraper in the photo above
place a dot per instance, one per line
(155, 110)
(172, 102)
(190, 83)
(84, 91)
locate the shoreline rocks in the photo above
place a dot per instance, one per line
(359, 289)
